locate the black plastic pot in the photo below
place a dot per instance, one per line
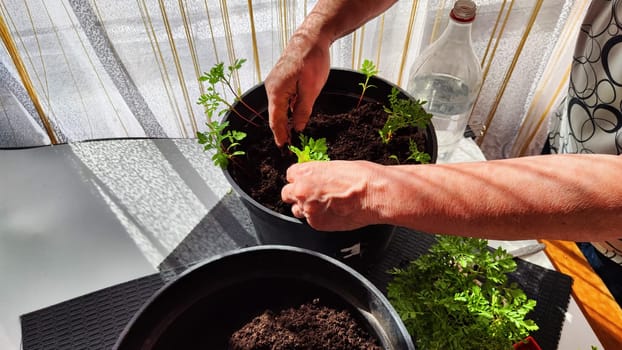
(358, 248)
(202, 307)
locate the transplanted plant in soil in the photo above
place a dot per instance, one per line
(310, 149)
(340, 128)
(457, 296)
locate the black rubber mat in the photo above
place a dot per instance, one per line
(94, 321)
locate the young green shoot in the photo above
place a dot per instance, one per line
(217, 137)
(310, 149)
(415, 154)
(403, 113)
(224, 142)
(369, 69)
(212, 99)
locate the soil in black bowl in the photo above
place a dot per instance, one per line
(350, 135)
(308, 327)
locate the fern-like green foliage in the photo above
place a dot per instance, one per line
(223, 141)
(414, 154)
(417, 155)
(310, 149)
(403, 113)
(217, 137)
(457, 296)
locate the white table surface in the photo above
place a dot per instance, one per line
(74, 222)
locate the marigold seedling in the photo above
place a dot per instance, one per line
(212, 98)
(218, 137)
(311, 149)
(369, 69)
(415, 154)
(403, 113)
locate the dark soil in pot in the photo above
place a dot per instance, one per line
(309, 326)
(352, 133)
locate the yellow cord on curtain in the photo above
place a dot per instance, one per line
(158, 56)
(23, 74)
(176, 60)
(411, 22)
(568, 34)
(254, 39)
(510, 71)
(486, 68)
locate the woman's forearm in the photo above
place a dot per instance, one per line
(570, 197)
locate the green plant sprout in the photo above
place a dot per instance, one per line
(310, 149)
(457, 296)
(212, 99)
(403, 113)
(415, 154)
(369, 69)
(217, 137)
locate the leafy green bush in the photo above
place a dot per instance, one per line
(457, 296)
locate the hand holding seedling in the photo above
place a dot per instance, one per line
(335, 195)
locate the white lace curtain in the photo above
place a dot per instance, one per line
(73, 70)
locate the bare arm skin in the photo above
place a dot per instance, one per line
(568, 197)
(305, 62)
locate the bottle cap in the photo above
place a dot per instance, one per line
(463, 11)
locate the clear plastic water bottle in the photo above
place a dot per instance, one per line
(448, 76)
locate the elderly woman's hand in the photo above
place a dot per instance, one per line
(336, 195)
(296, 80)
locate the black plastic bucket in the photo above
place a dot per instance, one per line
(202, 307)
(358, 248)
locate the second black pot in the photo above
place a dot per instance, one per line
(202, 307)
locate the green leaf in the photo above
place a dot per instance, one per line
(369, 68)
(311, 149)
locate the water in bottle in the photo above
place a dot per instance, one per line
(448, 76)
(449, 102)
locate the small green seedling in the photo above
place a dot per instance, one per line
(310, 149)
(212, 99)
(403, 113)
(415, 154)
(217, 137)
(369, 69)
